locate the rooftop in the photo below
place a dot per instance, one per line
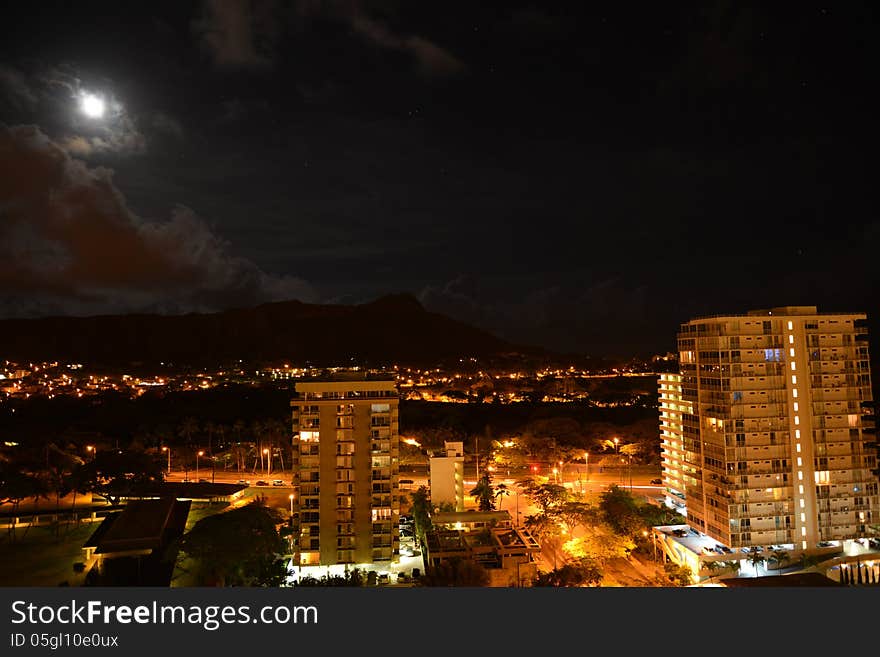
(780, 311)
(141, 525)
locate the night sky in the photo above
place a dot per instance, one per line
(580, 179)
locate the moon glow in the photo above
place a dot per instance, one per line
(92, 106)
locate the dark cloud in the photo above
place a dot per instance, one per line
(71, 245)
(15, 90)
(431, 58)
(168, 125)
(238, 35)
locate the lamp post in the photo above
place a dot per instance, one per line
(556, 475)
(561, 473)
(290, 497)
(587, 465)
(198, 454)
(91, 450)
(617, 451)
(268, 460)
(167, 449)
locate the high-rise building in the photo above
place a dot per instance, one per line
(447, 476)
(767, 430)
(672, 408)
(345, 445)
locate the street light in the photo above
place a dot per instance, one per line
(587, 464)
(268, 461)
(290, 497)
(198, 454)
(91, 449)
(556, 475)
(166, 449)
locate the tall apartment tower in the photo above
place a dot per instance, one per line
(672, 409)
(446, 474)
(771, 437)
(345, 446)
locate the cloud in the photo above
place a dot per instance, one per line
(238, 34)
(168, 125)
(71, 245)
(432, 59)
(16, 90)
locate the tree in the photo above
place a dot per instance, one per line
(17, 485)
(455, 572)
(239, 547)
(583, 572)
(501, 491)
(546, 496)
(484, 493)
(756, 559)
(187, 428)
(780, 557)
(421, 511)
(354, 577)
(114, 474)
(620, 510)
(574, 514)
(678, 575)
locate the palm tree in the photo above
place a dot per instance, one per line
(756, 559)
(780, 557)
(501, 491)
(187, 428)
(211, 429)
(484, 493)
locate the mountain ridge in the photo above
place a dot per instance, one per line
(394, 328)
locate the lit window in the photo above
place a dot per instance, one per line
(800, 475)
(793, 380)
(796, 407)
(790, 326)
(797, 434)
(798, 447)
(793, 365)
(801, 489)
(800, 462)
(790, 339)
(803, 517)
(803, 531)
(803, 545)
(794, 393)
(791, 352)
(802, 502)
(797, 419)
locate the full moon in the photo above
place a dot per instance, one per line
(92, 106)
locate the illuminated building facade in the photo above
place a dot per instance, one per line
(447, 476)
(345, 444)
(776, 432)
(672, 407)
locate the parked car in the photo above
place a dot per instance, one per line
(657, 481)
(202, 480)
(262, 483)
(244, 482)
(825, 544)
(277, 482)
(383, 578)
(874, 542)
